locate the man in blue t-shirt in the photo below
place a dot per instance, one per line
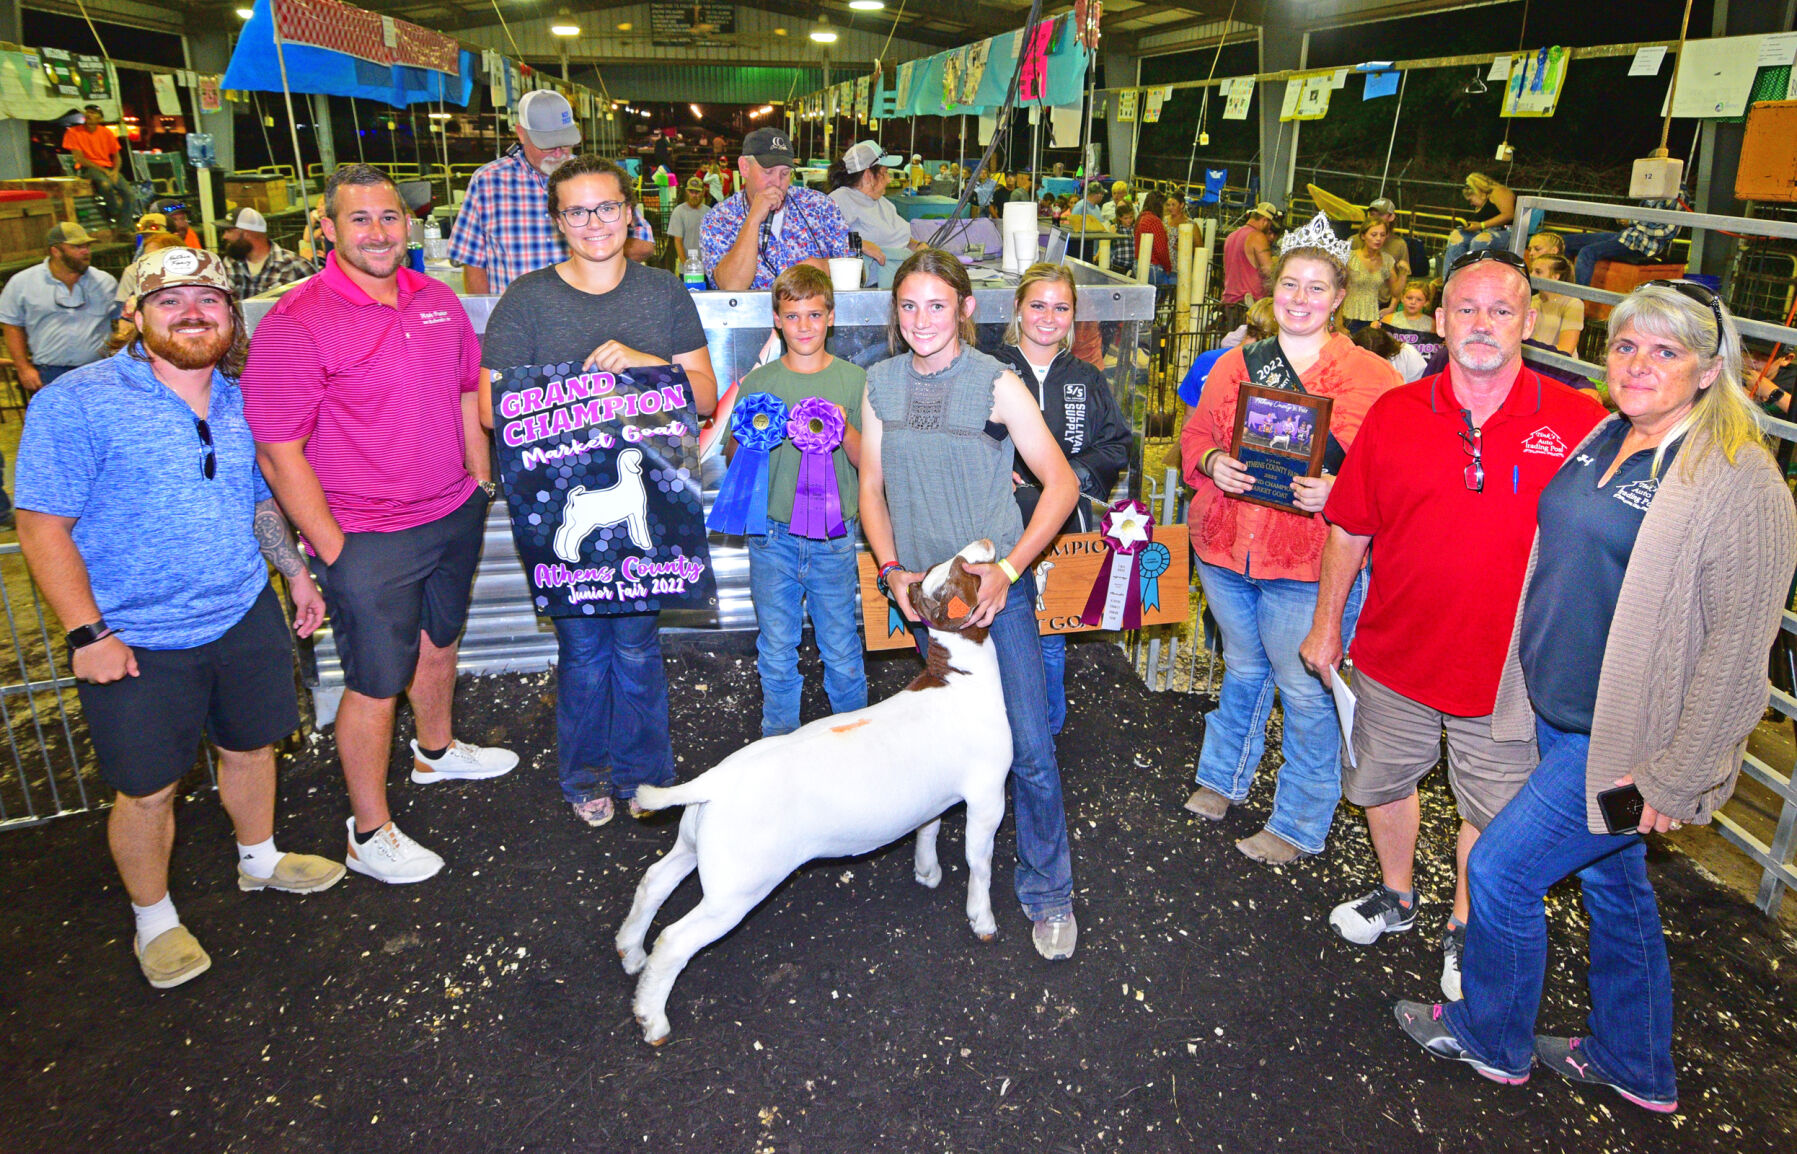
(147, 525)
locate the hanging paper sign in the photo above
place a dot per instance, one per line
(1307, 97)
(1116, 598)
(1151, 111)
(210, 97)
(758, 423)
(601, 480)
(1534, 83)
(1241, 94)
(861, 91)
(92, 71)
(59, 71)
(1126, 106)
(168, 101)
(815, 428)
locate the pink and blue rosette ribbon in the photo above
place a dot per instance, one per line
(1117, 595)
(816, 428)
(740, 508)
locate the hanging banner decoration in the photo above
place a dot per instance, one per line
(601, 478)
(1086, 15)
(210, 97)
(1126, 106)
(816, 428)
(952, 63)
(861, 90)
(168, 101)
(1240, 91)
(906, 72)
(1032, 82)
(1116, 598)
(366, 35)
(1535, 80)
(973, 71)
(59, 70)
(758, 423)
(92, 71)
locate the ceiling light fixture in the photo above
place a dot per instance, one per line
(245, 13)
(625, 27)
(564, 29)
(867, 5)
(698, 113)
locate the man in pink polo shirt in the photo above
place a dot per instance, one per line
(360, 390)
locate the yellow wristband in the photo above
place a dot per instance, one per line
(1010, 570)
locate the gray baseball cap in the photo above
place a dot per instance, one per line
(548, 120)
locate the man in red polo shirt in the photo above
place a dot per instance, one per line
(1441, 488)
(360, 390)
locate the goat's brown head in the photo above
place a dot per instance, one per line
(947, 595)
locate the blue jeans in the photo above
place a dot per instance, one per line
(1534, 842)
(1262, 621)
(1054, 668)
(1587, 249)
(1044, 863)
(788, 577)
(611, 707)
(1468, 242)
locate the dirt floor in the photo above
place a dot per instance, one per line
(1208, 1007)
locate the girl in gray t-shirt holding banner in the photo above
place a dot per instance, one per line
(942, 425)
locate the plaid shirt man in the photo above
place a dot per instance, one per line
(281, 267)
(1650, 239)
(813, 228)
(503, 224)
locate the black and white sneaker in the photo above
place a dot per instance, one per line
(1453, 944)
(1362, 920)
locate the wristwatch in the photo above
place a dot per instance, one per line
(880, 581)
(87, 635)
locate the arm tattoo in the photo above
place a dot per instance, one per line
(275, 541)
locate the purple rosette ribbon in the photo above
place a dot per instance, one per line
(816, 428)
(759, 424)
(1116, 598)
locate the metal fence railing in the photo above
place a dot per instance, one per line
(42, 770)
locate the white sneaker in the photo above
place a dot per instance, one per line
(390, 856)
(462, 762)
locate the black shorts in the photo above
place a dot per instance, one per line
(386, 587)
(238, 690)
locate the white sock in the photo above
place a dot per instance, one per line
(258, 860)
(155, 920)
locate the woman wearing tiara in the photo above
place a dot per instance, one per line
(1259, 565)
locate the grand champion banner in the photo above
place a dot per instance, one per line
(601, 478)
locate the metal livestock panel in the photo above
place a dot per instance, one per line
(503, 632)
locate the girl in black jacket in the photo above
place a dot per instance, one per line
(1081, 412)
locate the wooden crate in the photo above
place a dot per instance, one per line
(264, 194)
(1768, 167)
(66, 193)
(23, 227)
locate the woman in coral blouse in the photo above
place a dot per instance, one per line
(1259, 565)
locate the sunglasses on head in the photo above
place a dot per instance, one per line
(1703, 295)
(1502, 255)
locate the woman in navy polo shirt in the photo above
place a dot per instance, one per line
(1662, 558)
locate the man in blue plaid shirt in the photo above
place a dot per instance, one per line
(768, 225)
(503, 229)
(1639, 243)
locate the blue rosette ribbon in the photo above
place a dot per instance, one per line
(758, 424)
(815, 429)
(1154, 560)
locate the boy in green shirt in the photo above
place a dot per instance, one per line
(790, 575)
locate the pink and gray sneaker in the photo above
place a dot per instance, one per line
(1567, 1058)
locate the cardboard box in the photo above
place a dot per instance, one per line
(265, 194)
(23, 227)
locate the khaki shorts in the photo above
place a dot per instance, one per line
(1397, 741)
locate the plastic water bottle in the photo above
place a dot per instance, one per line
(434, 247)
(692, 273)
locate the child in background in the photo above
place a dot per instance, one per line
(1416, 309)
(790, 575)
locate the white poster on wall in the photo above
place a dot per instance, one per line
(1715, 77)
(1240, 92)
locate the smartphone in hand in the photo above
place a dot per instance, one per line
(1621, 808)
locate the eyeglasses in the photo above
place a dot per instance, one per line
(1691, 290)
(1473, 441)
(606, 211)
(208, 458)
(1502, 255)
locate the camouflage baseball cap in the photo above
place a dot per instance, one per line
(175, 267)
